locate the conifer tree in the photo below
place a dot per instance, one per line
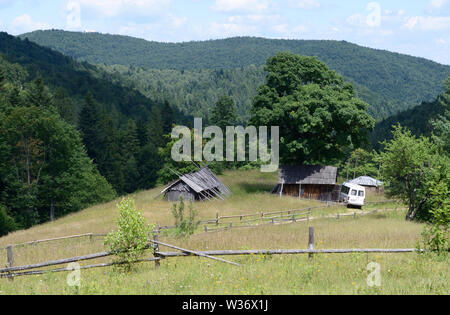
(38, 94)
(224, 113)
(167, 116)
(155, 128)
(89, 124)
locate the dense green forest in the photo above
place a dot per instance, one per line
(389, 82)
(57, 117)
(417, 119)
(45, 171)
(76, 79)
(194, 91)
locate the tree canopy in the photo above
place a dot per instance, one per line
(319, 116)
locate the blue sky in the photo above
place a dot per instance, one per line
(419, 27)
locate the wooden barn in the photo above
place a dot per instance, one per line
(308, 181)
(371, 184)
(198, 186)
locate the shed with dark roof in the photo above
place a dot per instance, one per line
(308, 181)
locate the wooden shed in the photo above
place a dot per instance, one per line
(198, 186)
(308, 181)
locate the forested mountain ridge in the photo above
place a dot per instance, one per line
(389, 82)
(121, 129)
(74, 78)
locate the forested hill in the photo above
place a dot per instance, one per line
(417, 119)
(74, 79)
(120, 129)
(389, 82)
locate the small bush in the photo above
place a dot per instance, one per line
(185, 226)
(131, 238)
(436, 233)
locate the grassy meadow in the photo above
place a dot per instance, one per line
(324, 274)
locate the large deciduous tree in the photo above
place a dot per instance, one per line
(413, 169)
(46, 169)
(319, 115)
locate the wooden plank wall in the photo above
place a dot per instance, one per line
(315, 192)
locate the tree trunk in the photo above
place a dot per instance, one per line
(409, 215)
(52, 211)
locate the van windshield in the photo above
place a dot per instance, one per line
(345, 190)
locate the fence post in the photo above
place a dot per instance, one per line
(9, 253)
(156, 249)
(217, 219)
(206, 229)
(354, 215)
(311, 241)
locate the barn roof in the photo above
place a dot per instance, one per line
(308, 175)
(366, 181)
(203, 182)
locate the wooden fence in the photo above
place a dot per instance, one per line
(264, 219)
(12, 271)
(87, 235)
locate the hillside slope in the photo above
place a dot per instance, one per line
(417, 119)
(75, 78)
(390, 82)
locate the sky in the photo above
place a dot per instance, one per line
(414, 27)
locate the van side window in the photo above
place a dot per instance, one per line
(361, 193)
(354, 192)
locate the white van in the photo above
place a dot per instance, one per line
(353, 195)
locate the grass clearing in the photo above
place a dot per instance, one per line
(325, 274)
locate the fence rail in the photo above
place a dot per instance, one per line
(289, 252)
(29, 270)
(51, 240)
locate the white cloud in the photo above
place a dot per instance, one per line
(25, 23)
(177, 22)
(221, 30)
(436, 4)
(441, 41)
(262, 19)
(241, 5)
(428, 23)
(113, 8)
(305, 4)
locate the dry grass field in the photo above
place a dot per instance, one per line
(325, 274)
